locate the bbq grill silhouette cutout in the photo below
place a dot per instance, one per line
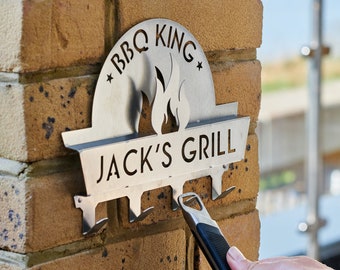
(162, 60)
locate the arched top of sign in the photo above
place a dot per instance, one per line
(161, 59)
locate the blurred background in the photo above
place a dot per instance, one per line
(283, 131)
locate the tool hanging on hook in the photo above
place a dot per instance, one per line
(205, 229)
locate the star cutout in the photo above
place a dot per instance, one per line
(199, 65)
(109, 77)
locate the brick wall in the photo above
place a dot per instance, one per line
(51, 54)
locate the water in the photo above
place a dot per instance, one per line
(287, 26)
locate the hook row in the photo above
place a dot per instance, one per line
(91, 226)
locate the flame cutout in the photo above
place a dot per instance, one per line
(182, 109)
(173, 96)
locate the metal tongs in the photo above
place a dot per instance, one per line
(205, 229)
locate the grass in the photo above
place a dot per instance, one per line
(277, 180)
(293, 73)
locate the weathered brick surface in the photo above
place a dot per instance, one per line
(12, 213)
(241, 82)
(57, 33)
(241, 231)
(32, 116)
(215, 24)
(54, 107)
(12, 122)
(10, 34)
(159, 251)
(62, 33)
(52, 218)
(38, 211)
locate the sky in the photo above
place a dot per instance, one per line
(287, 26)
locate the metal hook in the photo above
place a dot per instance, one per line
(143, 215)
(88, 205)
(226, 192)
(191, 201)
(88, 231)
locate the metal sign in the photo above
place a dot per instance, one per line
(161, 59)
